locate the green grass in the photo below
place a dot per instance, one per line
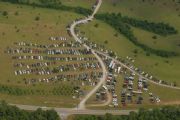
(79, 3)
(167, 68)
(157, 12)
(51, 101)
(51, 23)
(29, 27)
(56, 22)
(120, 45)
(169, 43)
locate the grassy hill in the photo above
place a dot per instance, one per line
(20, 24)
(37, 24)
(166, 11)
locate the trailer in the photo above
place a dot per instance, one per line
(119, 69)
(111, 63)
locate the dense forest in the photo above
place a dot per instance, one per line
(8, 112)
(165, 113)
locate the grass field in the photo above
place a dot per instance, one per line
(163, 68)
(78, 3)
(23, 27)
(55, 22)
(165, 11)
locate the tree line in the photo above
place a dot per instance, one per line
(161, 28)
(8, 112)
(164, 113)
(64, 90)
(122, 25)
(11, 90)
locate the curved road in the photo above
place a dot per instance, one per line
(103, 79)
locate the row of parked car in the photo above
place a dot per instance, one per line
(60, 44)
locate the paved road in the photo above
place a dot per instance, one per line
(125, 66)
(68, 111)
(103, 79)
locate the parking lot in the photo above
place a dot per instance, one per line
(126, 88)
(61, 61)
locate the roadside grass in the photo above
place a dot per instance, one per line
(51, 101)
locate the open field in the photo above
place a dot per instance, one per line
(78, 3)
(162, 68)
(51, 101)
(21, 25)
(51, 23)
(157, 66)
(145, 11)
(36, 25)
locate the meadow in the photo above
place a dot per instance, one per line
(33, 25)
(21, 24)
(162, 68)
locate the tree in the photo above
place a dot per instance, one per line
(5, 13)
(52, 115)
(154, 37)
(148, 54)
(135, 51)
(96, 25)
(108, 116)
(116, 34)
(132, 116)
(37, 18)
(123, 26)
(16, 13)
(8, 112)
(50, 2)
(105, 42)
